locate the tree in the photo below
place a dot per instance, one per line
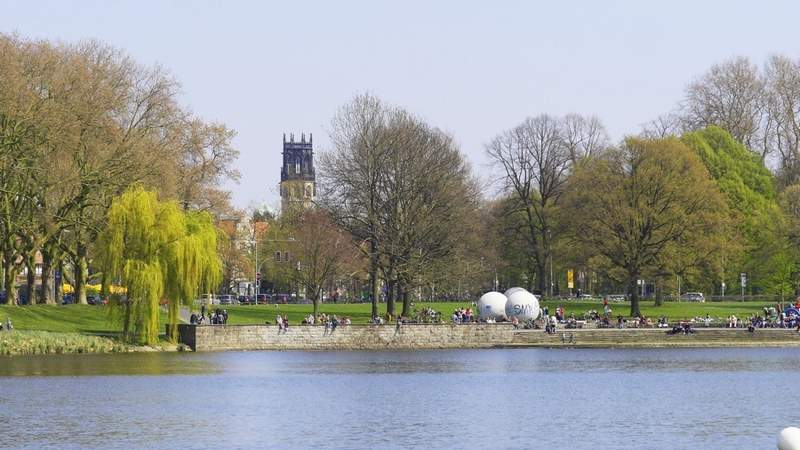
(322, 252)
(783, 105)
(729, 95)
(749, 190)
(534, 160)
(399, 186)
(351, 174)
(637, 201)
(79, 124)
(157, 252)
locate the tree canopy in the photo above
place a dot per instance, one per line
(157, 252)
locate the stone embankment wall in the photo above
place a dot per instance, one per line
(657, 337)
(386, 337)
(353, 337)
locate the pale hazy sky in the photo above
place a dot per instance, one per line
(471, 68)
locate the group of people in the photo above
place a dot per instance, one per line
(8, 325)
(218, 317)
(283, 323)
(682, 328)
(461, 315)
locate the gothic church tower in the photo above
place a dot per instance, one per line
(298, 185)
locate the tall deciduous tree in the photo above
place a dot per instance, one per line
(635, 202)
(322, 251)
(729, 95)
(535, 159)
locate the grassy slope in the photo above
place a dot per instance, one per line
(84, 319)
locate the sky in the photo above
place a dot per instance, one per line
(472, 69)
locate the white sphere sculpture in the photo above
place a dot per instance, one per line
(789, 439)
(512, 290)
(522, 305)
(492, 305)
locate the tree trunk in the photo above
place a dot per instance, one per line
(126, 316)
(58, 283)
(30, 278)
(173, 307)
(634, 293)
(10, 279)
(315, 301)
(373, 279)
(541, 278)
(659, 297)
(403, 289)
(46, 295)
(390, 287)
(81, 275)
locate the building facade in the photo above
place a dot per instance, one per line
(298, 178)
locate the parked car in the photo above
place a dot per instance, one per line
(693, 297)
(280, 298)
(244, 300)
(616, 297)
(68, 299)
(225, 299)
(207, 299)
(262, 299)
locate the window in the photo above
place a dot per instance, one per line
(297, 168)
(285, 256)
(277, 256)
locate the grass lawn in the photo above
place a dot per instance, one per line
(360, 313)
(85, 319)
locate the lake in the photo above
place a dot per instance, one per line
(515, 398)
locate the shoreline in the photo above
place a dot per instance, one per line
(410, 337)
(449, 336)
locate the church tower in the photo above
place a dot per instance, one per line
(298, 185)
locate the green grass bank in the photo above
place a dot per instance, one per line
(360, 312)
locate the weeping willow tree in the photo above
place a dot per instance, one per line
(158, 252)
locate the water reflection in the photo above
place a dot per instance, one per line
(106, 365)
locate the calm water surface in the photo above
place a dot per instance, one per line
(532, 398)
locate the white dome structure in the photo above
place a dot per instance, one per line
(523, 305)
(512, 290)
(492, 305)
(789, 439)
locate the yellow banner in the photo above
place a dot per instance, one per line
(570, 279)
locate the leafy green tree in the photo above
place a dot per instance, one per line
(157, 252)
(636, 202)
(749, 190)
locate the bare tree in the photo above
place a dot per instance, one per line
(665, 125)
(534, 159)
(352, 172)
(783, 100)
(584, 137)
(731, 96)
(322, 251)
